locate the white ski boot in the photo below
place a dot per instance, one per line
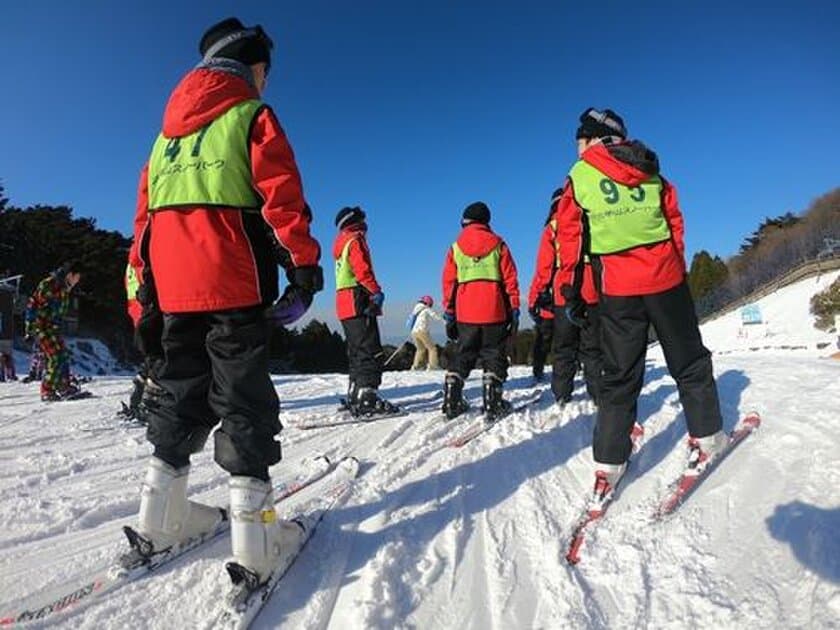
(607, 478)
(167, 518)
(258, 538)
(703, 451)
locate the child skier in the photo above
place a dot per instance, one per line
(425, 347)
(618, 209)
(570, 343)
(219, 205)
(45, 313)
(358, 302)
(481, 301)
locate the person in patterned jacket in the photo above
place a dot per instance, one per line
(45, 313)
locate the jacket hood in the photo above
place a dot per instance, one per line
(477, 239)
(629, 163)
(353, 231)
(203, 95)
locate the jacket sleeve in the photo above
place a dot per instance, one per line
(671, 209)
(360, 262)
(544, 270)
(276, 176)
(569, 218)
(450, 282)
(34, 306)
(141, 224)
(510, 280)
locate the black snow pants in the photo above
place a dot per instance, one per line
(216, 368)
(624, 328)
(488, 341)
(364, 350)
(543, 334)
(573, 344)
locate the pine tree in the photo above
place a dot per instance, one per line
(706, 274)
(4, 200)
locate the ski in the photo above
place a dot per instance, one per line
(415, 401)
(309, 425)
(54, 602)
(687, 483)
(591, 514)
(486, 423)
(247, 597)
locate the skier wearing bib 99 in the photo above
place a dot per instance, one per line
(481, 302)
(358, 302)
(570, 343)
(220, 204)
(618, 209)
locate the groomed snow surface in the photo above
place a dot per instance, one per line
(435, 537)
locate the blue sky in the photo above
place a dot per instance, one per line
(413, 110)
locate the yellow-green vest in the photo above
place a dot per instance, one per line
(209, 167)
(131, 282)
(472, 268)
(344, 276)
(620, 217)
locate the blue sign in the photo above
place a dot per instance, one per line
(751, 314)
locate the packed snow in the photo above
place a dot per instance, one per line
(438, 537)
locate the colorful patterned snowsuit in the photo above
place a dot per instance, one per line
(44, 314)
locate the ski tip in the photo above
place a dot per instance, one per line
(752, 418)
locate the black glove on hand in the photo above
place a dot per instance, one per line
(451, 326)
(150, 327)
(309, 278)
(575, 309)
(545, 298)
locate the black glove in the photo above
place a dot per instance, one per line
(535, 314)
(149, 329)
(451, 326)
(310, 278)
(575, 309)
(545, 298)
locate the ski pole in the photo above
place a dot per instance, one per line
(396, 352)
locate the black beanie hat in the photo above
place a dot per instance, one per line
(230, 39)
(349, 216)
(597, 124)
(477, 212)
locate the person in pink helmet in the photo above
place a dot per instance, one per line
(420, 319)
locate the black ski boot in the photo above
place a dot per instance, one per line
(494, 406)
(352, 400)
(371, 405)
(453, 396)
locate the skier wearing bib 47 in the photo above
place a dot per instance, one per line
(481, 302)
(358, 302)
(220, 204)
(618, 209)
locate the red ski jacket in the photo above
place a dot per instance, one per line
(480, 301)
(643, 270)
(353, 301)
(208, 259)
(545, 269)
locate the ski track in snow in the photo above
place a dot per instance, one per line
(439, 537)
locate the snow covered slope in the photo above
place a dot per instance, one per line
(435, 537)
